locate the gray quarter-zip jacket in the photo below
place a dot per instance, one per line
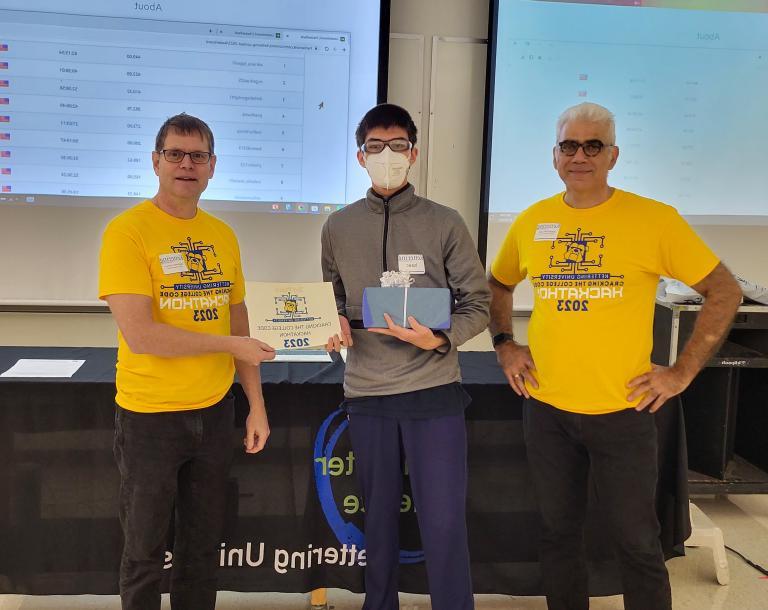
(360, 242)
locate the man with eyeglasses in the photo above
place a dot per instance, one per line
(594, 255)
(172, 276)
(402, 389)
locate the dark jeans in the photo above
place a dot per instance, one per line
(166, 460)
(436, 451)
(618, 450)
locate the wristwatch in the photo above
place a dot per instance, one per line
(502, 338)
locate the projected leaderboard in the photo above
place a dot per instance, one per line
(689, 90)
(80, 119)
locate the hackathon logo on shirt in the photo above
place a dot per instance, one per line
(202, 293)
(578, 258)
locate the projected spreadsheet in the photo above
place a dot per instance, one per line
(688, 88)
(81, 118)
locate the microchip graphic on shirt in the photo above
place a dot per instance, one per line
(200, 259)
(579, 273)
(202, 286)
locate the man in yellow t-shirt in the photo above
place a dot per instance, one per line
(594, 255)
(172, 276)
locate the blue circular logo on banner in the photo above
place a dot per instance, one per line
(346, 532)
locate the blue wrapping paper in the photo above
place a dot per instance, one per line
(430, 306)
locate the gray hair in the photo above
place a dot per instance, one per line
(590, 113)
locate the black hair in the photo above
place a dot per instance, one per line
(385, 116)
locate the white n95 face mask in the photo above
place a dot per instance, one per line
(387, 169)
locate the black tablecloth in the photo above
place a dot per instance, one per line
(59, 532)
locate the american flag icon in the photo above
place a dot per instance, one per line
(5, 136)
(4, 83)
(3, 65)
(5, 171)
(5, 154)
(4, 118)
(5, 100)
(6, 188)
(3, 46)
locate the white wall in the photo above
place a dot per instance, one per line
(452, 114)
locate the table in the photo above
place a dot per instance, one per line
(292, 507)
(725, 405)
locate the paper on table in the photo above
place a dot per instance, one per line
(39, 367)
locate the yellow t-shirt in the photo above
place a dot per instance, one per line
(594, 274)
(191, 269)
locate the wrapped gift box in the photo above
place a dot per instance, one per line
(430, 306)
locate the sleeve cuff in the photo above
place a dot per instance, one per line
(445, 347)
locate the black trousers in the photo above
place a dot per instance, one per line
(166, 460)
(619, 452)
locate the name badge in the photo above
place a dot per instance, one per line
(547, 231)
(412, 263)
(173, 263)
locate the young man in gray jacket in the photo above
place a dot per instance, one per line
(402, 385)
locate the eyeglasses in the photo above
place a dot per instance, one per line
(591, 148)
(176, 156)
(395, 145)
